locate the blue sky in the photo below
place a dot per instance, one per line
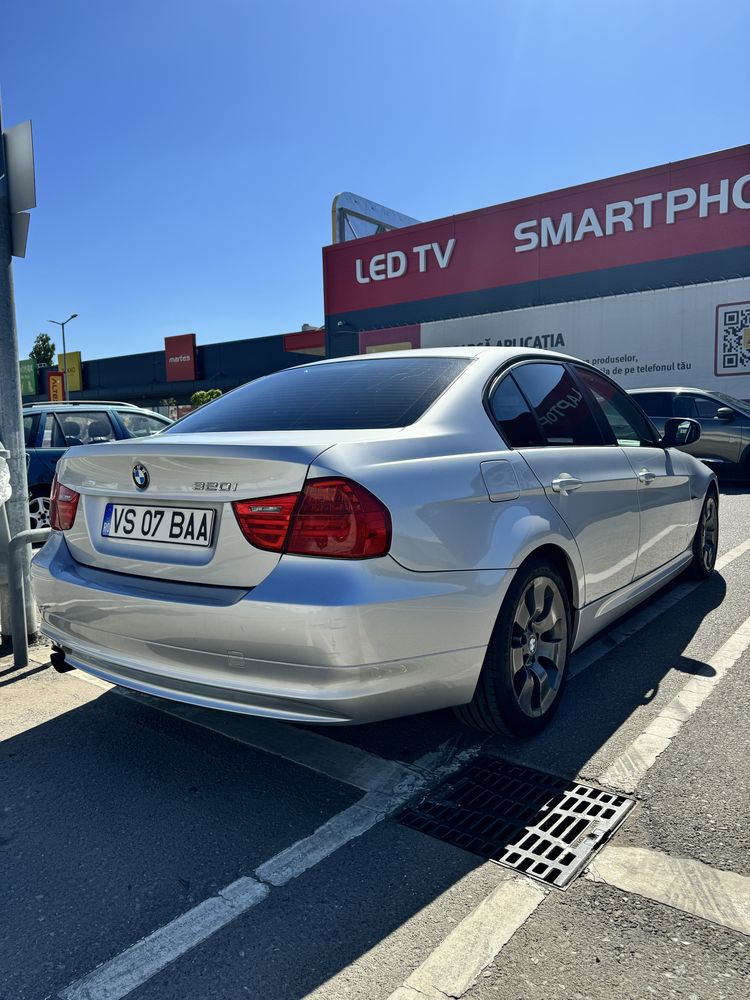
(187, 153)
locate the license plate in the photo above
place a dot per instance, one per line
(176, 525)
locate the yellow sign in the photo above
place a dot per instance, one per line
(55, 387)
(73, 363)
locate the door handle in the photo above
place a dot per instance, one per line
(646, 477)
(566, 484)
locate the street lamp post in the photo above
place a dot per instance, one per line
(65, 355)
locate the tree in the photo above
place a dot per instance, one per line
(43, 351)
(203, 396)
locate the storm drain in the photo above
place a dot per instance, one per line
(537, 823)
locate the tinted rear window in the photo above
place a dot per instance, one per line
(558, 403)
(30, 424)
(512, 412)
(656, 404)
(387, 392)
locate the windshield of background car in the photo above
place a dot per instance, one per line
(356, 395)
(141, 424)
(738, 404)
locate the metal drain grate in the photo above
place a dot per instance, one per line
(533, 822)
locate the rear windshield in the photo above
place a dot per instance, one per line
(377, 392)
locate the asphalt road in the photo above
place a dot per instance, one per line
(126, 824)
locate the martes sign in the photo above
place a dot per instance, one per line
(179, 357)
(676, 224)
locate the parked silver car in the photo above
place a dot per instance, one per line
(365, 538)
(725, 424)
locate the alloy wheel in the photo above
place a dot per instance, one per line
(39, 512)
(538, 646)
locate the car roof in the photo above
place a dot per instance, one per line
(500, 354)
(80, 405)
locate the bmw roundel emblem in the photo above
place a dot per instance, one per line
(140, 476)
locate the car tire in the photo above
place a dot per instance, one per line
(39, 507)
(706, 538)
(519, 687)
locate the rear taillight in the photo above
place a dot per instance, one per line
(63, 504)
(339, 518)
(265, 522)
(331, 517)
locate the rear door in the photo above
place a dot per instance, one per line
(591, 485)
(663, 480)
(51, 448)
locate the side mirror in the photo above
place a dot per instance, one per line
(680, 431)
(725, 413)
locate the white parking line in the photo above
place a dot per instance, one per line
(122, 974)
(735, 553)
(453, 967)
(339, 830)
(687, 885)
(625, 772)
(133, 967)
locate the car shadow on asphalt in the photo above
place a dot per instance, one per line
(733, 487)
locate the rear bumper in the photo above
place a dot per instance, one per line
(317, 641)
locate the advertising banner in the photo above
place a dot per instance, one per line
(74, 370)
(666, 226)
(695, 336)
(28, 377)
(56, 387)
(179, 357)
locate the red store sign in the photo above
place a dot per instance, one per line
(179, 356)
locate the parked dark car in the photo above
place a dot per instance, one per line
(51, 428)
(724, 443)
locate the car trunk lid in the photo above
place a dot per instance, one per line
(193, 480)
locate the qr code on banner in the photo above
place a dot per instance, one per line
(733, 339)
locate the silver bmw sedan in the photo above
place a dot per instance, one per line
(369, 537)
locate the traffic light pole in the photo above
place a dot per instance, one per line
(11, 402)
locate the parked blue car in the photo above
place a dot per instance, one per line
(51, 428)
